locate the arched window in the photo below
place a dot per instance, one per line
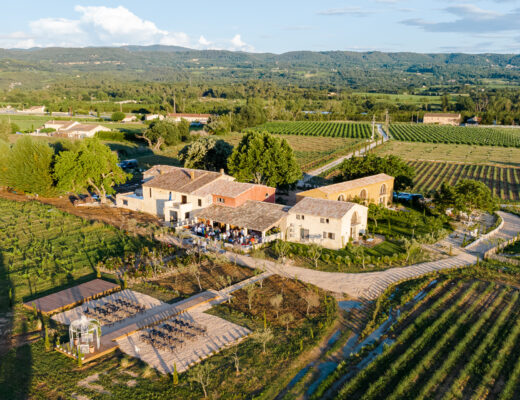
(341, 198)
(383, 189)
(355, 219)
(363, 194)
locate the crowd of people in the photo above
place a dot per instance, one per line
(235, 236)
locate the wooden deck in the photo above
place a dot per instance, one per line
(70, 297)
(152, 316)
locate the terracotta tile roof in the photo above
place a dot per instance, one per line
(353, 184)
(322, 207)
(255, 215)
(157, 170)
(182, 180)
(224, 188)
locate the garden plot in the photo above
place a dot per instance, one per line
(220, 334)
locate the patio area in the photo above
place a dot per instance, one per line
(246, 226)
(183, 340)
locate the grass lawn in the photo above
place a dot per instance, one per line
(451, 152)
(27, 122)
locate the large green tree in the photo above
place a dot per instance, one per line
(29, 164)
(118, 116)
(91, 166)
(263, 158)
(165, 132)
(206, 153)
(359, 167)
(467, 196)
(252, 114)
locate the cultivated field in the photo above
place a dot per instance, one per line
(31, 122)
(42, 247)
(461, 341)
(503, 181)
(456, 134)
(311, 151)
(451, 152)
(316, 128)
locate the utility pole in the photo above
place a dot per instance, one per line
(387, 121)
(174, 105)
(121, 107)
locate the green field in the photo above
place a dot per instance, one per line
(503, 181)
(505, 137)
(311, 151)
(460, 340)
(30, 122)
(451, 152)
(42, 248)
(329, 129)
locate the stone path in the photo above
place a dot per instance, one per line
(510, 229)
(369, 285)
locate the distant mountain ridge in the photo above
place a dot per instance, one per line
(298, 57)
(174, 63)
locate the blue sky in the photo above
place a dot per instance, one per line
(268, 26)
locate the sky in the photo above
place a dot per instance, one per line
(274, 26)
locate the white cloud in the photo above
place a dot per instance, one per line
(355, 11)
(471, 19)
(108, 26)
(238, 44)
(17, 40)
(204, 42)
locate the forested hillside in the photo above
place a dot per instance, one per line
(386, 72)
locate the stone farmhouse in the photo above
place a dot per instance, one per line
(330, 223)
(375, 189)
(442, 119)
(187, 198)
(73, 129)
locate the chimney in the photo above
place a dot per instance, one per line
(192, 175)
(221, 171)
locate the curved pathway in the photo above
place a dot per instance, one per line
(370, 285)
(509, 230)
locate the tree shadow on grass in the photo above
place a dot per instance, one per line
(15, 363)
